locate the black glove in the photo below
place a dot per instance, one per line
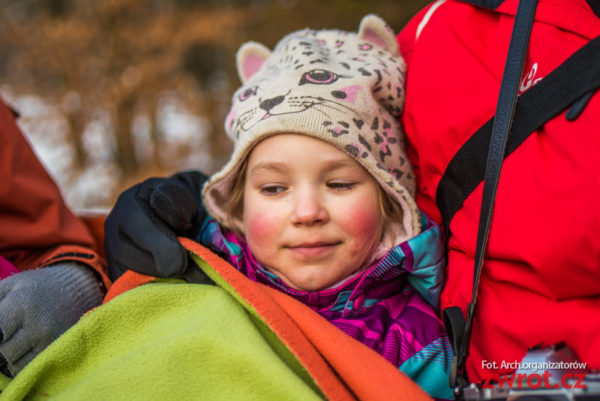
(37, 306)
(142, 229)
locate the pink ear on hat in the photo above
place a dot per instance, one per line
(375, 30)
(250, 57)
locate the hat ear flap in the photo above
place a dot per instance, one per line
(249, 58)
(375, 30)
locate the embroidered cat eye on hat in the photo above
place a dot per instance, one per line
(344, 88)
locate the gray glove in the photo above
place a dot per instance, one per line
(37, 306)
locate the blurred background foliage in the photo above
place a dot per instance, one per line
(113, 91)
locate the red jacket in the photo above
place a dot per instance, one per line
(36, 227)
(541, 278)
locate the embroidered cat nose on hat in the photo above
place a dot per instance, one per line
(344, 88)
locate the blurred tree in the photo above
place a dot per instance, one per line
(117, 58)
(115, 55)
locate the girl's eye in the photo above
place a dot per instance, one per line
(318, 77)
(341, 185)
(247, 93)
(272, 189)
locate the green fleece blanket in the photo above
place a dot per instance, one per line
(165, 341)
(236, 340)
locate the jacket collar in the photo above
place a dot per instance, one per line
(577, 16)
(494, 4)
(417, 262)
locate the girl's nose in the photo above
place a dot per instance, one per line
(309, 209)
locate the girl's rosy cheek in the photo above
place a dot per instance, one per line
(362, 220)
(260, 225)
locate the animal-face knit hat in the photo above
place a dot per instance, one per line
(344, 88)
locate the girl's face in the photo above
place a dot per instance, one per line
(311, 213)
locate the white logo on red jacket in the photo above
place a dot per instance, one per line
(529, 80)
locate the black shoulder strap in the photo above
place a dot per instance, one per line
(572, 82)
(503, 121)
(595, 6)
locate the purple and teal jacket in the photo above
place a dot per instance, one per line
(390, 306)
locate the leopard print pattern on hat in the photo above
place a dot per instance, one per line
(341, 87)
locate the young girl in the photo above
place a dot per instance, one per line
(317, 199)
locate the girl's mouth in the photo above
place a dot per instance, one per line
(312, 250)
